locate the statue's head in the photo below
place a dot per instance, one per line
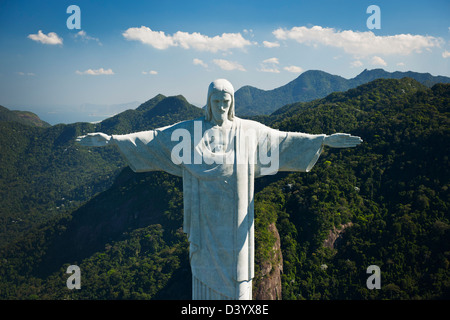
(219, 85)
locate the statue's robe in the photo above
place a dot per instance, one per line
(218, 194)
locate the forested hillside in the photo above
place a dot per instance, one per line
(393, 189)
(390, 194)
(44, 174)
(24, 117)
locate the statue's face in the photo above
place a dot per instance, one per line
(220, 105)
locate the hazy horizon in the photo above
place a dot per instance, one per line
(91, 112)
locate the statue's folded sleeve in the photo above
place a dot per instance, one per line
(148, 151)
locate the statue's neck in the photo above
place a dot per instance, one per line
(224, 123)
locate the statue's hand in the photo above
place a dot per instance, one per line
(96, 139)
(342, 140)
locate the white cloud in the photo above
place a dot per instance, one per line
(268, 69)
(156, 39)
(50, 38)
(356, 64)
(377, 61)
(401, 64)
(269, 44)
(199, 62)
(359, 43)
(161, 41)
(204, 43)
(269, 65)
(271, 60)
(293, 69)
(85, 37)
(95, 72)
(228, 65)
(31, 74)
(446, 54)
(151, 72)
(249, 32)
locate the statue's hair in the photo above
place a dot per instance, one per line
(219, 85)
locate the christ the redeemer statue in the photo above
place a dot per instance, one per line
(219, 156)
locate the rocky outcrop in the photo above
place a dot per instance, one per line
(334, 235)
(268, 285)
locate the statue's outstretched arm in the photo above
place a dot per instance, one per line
(96, 139)
(342, 140)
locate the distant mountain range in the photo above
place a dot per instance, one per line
(315, 84)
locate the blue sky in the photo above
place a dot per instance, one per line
(126, 52)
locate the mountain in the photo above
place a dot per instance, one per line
(391, 193)
(157, 112)
(308, 86)
(24, 117)
(315, 84)
(424, 78)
